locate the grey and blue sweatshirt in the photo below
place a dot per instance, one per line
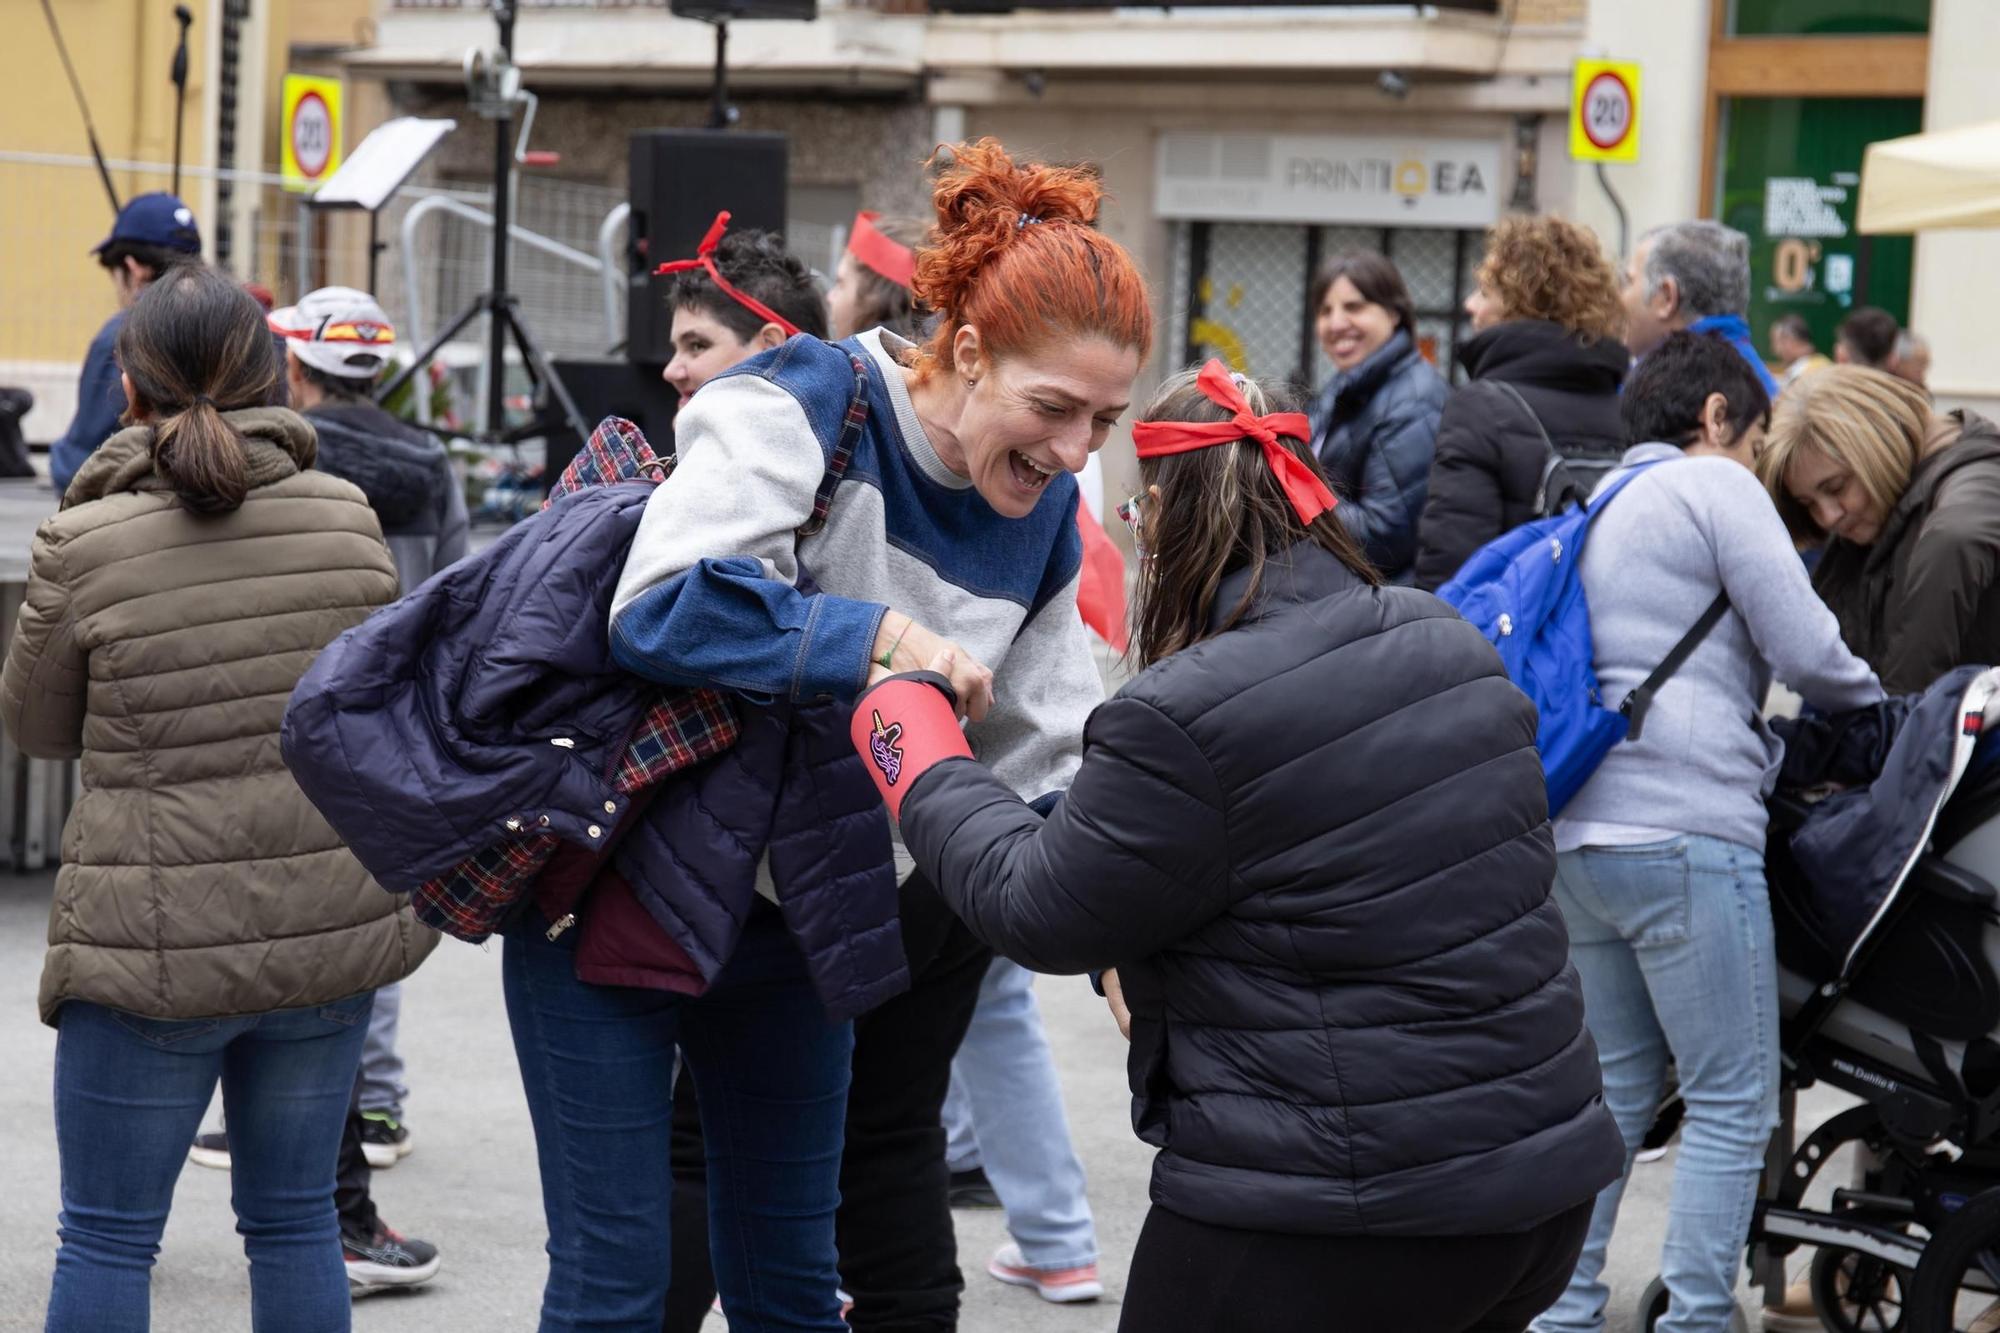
(1678, 534)
(712, 595)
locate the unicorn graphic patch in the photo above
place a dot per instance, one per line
(884, 748)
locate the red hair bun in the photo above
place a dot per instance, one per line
(1015, 253)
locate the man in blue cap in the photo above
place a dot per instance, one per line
(153, 233)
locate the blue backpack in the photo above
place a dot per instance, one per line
(1524, 592)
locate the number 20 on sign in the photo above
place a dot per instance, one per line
(1604, 111)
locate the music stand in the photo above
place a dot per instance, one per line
(373, 173)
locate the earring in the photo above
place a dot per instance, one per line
(972, 384)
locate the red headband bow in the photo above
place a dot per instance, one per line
(874, 248)
(1309, 496)
(705, 259)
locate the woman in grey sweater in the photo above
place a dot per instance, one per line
(1661, 855)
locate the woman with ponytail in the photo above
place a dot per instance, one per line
(207, 925)
(1356, 1037)
(839, 510)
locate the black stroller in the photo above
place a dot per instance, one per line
(1901, 1008)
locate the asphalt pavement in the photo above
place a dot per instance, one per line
(470, 1185)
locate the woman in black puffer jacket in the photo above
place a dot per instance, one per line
(1312, 840)
(1545, 363)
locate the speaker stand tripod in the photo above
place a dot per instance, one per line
(494, 87)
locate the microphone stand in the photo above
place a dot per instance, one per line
(184, 17)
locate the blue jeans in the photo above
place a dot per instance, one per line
(1673, 943)
(770, 1071)
(130, 1093)
(1005, 1113)
(382, 1087)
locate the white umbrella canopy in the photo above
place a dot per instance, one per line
(1930, 181)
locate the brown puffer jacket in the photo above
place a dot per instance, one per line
(161, 646)
(1925, 597)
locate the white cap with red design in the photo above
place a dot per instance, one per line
(337, 330)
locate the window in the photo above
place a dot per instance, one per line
(1791, 175)
(1241, 291)
(1826, 18)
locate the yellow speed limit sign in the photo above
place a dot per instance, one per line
(311, 149)
(1604, 111)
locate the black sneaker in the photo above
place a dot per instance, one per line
(211, 1150)
(386, 1260)
(971, 1189)
(385, 1140)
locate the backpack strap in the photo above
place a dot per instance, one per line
(843, 448)
(1639, 700)
(1534, 416)
(1552, 459)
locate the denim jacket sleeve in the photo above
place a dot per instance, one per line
(710, 595)
(100, 400)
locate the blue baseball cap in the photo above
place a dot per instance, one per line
(155, 219)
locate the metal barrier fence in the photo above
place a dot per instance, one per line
(567, 264)
(35, 794)
(53, 298)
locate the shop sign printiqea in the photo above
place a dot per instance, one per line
(1329, 178)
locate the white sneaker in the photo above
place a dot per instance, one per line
(1060, 1285)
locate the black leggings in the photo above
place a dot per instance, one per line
(1191, 1277)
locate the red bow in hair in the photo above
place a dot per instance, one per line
(1309, 495)
(705, 259)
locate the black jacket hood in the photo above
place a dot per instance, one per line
(1534, 351)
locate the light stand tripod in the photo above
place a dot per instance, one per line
(493, 85)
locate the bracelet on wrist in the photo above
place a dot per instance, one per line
(889, 653)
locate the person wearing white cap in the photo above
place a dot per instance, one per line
(338, 341)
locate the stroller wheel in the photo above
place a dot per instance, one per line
(1957, 1282)
(1653, 1308)
(1854, 1292)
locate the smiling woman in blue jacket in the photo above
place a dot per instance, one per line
(1357, 1041)
(1374, 425)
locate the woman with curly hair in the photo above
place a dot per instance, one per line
(1545, 363)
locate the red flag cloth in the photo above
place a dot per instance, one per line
(1100, 589)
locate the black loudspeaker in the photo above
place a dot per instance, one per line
(680, 180)
(606, 387)
(722, 11)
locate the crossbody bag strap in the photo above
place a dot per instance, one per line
(1639, 700)
(843, 448)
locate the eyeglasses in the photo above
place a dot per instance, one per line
(1135, 520)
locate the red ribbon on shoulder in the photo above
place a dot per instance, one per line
(705, 259)
(1309, 495)
(873, 247)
